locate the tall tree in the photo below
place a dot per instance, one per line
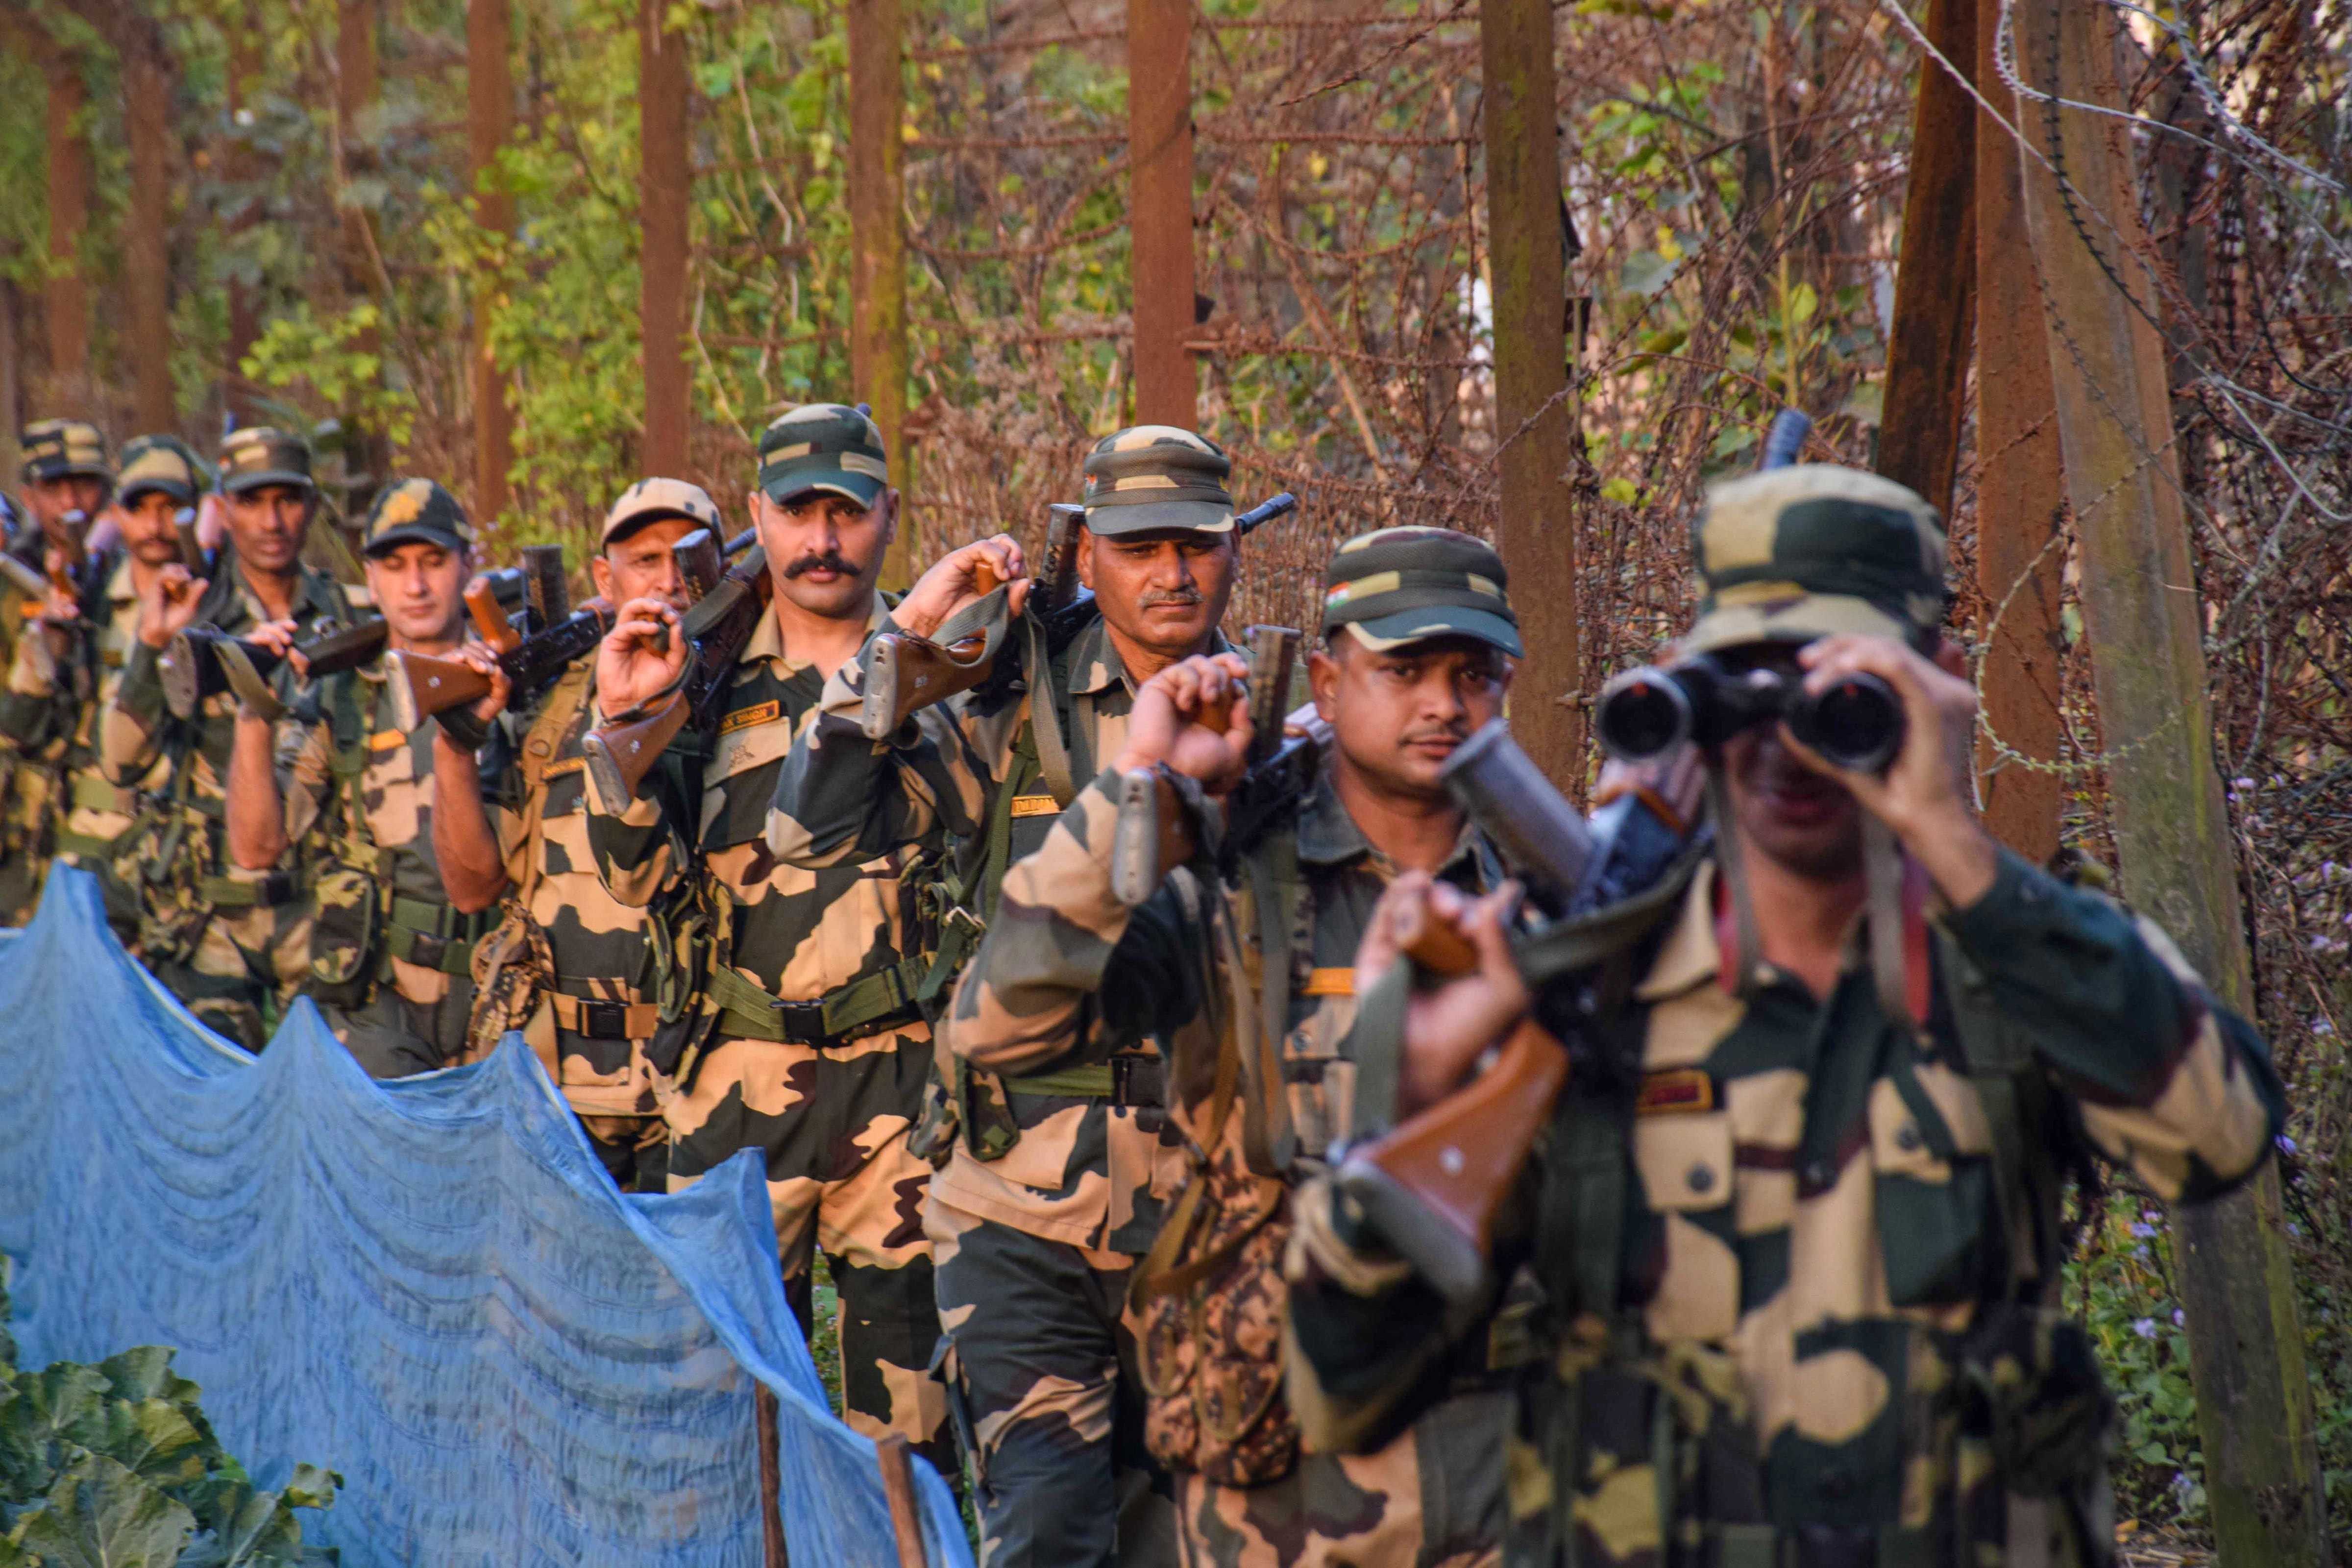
(2172, 828)
(489, 94)
(1160, 208)
(145, 62)
(664, 178)
(239, 167)
(1927, 350)
(366, 453)
(70, 202)
(878, 238)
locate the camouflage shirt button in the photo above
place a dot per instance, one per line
(1836, 1485)
(1818, 1175)
(1907, 1140)
(1701, 1179)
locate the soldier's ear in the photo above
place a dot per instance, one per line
(1085, 551)
(600, 573)
(1323, 670)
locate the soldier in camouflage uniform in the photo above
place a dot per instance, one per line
(67, 481)
(390, 962)
(231, 944)
(60, 682)
(1420, 636)
(810, 1046)
(594, 1011)
(1787, 1264)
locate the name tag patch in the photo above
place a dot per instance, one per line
(744, 718)
(1034, 806)
(1681, 1091)
(568, 765)
(1331, 983)
(386, 740)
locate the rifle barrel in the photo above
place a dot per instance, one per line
(1265, 512)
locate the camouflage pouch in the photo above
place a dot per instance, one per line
(2039, 1400)
(347, 928)
(164, 858)
(1212, 1304)
(934, 1133)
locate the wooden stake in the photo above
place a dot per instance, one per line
(367, 455)
(664, 178)
(2021, 496)
(70, 200)
(2145, 619)
(489, 95)
(146, 240)
(878, 238)
(898, 1490)
(1159, 207)
(1535, 428)
(774, 1553)
(1927, 350)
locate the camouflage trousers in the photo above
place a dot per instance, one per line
(1051, 1390)
(122, 899)
(246, 964)
(27, 790)
(634, 1150)
(415, 1023)
(1432, 1498)
(831, 1122)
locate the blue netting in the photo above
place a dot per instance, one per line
(430, 1285)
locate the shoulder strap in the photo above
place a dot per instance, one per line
(1045, 719)
(540, 743)
(2010, 1083)
(1278, 896)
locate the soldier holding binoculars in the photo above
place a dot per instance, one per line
(1784, 1272)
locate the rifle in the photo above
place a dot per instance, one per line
(716, 629)
(1432, 1183)
(192, 669)
(1154, 833)
(191, 542)
(905, 672)
(424, 684)
(37, 583)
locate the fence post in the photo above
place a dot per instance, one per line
(773, 1553)
(489, 122)
(664, 178)
(1159, 207)
(878, 238)
(1535, 428)
(1927, 350)
(2145, 619)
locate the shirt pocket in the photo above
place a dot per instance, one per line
(1684, 1163)
(1932, 1194)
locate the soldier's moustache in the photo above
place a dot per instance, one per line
(1188, 595)
(829, 560)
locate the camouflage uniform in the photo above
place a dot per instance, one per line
(1787, 1270)
(1054, 1181)
(230, 943)
(811, 1048)
(391, 960)
(42, 710)
(598, 1015)
(1189, 966)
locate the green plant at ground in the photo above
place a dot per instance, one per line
(114, 1466)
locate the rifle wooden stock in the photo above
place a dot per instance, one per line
(1437, 945)
(904, 673)
(1431, 1185)
(620, 755)
(1154, 832)
(425, 684)
(33, 584)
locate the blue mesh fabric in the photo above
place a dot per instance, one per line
(430, 1285)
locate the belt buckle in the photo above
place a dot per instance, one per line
(604, 1020)
(803, 1023)
(425, 951)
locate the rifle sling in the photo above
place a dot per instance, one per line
(1053, 756)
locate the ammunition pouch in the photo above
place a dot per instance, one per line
(166, 859)
(347, 932)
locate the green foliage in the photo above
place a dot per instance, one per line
(114, 1466)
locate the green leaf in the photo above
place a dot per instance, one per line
(1645, 272)
(312, 1487)
(100, 1515)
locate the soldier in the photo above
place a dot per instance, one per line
(1419, 642)
(593, 1008)
(390, 962)
(227, 940)
(1052, 1183)
(810, 1046)
(1795, 1232)
(67, 481)
(61, 681)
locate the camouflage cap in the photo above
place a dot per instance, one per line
(61, 448)
(650, 500)
(415, 511)
(828, 446)
(1814, 551)
(1400, 586)
(161, 463)
(1151, 477)
(260, 456)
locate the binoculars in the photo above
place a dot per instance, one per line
(1856, 724)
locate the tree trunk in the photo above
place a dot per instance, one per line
(367, 454)
(237, 160)
(69, 198)
(146, 249)
(664, 179)
(1160, 208)
(1534, 428)
(1927, 351)
(2021, 497)
(2142, 611)
(489, 94)
(878, 238)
